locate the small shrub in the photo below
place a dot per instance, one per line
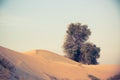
(116, 77)
(93, 77)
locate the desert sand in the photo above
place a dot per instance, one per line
(46, 65)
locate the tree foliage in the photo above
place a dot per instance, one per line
(77, 48)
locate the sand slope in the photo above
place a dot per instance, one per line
(46, 65)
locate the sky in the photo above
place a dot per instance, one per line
(41, 24)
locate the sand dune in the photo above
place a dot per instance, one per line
(46, 65)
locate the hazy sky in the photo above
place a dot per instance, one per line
(42, 24)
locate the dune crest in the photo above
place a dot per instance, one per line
(50, 56)
(46, 65)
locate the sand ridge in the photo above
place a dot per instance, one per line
(46, 65)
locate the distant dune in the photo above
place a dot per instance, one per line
(46, 65)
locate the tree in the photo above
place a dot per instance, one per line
(76, 47)
(89, 53)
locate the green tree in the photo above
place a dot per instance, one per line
(76, 47)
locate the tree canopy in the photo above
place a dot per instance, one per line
(76, 46)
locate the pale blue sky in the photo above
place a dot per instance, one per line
(41, 24)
